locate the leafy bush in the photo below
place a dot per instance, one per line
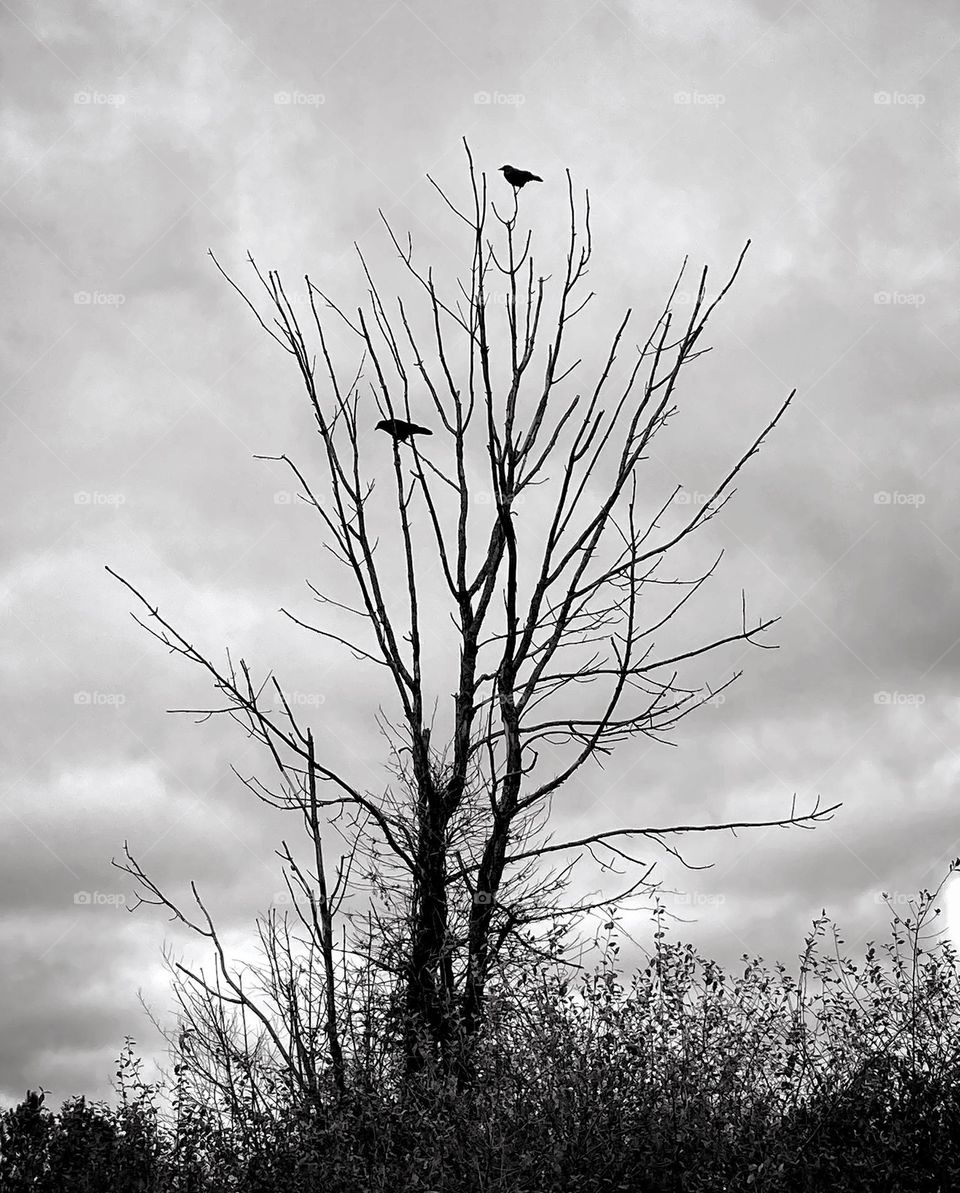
(845, 1078)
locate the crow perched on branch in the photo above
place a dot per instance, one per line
(401, 430)
(519, 178)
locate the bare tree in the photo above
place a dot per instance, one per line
(556, 665)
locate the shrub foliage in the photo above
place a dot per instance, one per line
(843, 1078)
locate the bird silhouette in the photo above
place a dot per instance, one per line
(401, 430)
(519, 178)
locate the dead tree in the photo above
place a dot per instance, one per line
(546, 610)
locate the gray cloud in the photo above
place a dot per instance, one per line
(137, 389)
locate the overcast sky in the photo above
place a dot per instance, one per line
(136, 390)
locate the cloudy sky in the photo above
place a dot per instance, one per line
(137, 389)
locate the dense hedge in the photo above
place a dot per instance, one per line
(846, 1080)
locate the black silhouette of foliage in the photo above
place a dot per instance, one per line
(845, 1078)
